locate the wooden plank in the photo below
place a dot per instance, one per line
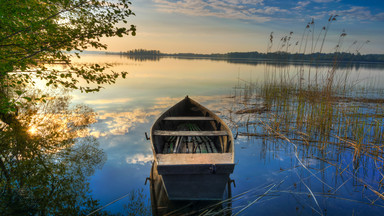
(200, 169)
(189, 133)
(165, 150)
(168, 144)
(206, 142)
(203, 186)
(178, 140)
(171, 146)
(194, 149)
(183, 147)
(189, 147)
(199, 140)
(208, 147)
(203, 148)
(179, 159)
(188, 118)
(214, 149)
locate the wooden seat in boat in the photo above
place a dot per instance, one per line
(188, 118)
(189, 133)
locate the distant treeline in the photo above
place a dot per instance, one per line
(349, 57)
(309, 57)
(141, 52)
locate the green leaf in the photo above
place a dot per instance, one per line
(37, 32)
(28, 99)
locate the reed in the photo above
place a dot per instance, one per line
(321, 111)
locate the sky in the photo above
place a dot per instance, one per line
(221, 26)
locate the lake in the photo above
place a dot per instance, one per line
(128, 109)
(273, 175)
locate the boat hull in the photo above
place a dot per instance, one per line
(195, 182)
(162, 205)
(186, 174)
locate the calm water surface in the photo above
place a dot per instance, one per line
(127, 109)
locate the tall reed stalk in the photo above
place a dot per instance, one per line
(318, 110)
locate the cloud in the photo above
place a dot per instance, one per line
(301, 5)
(379, 16)
(121, 123)
(260, 11)
(113, 123)
(230, 9)
(139, 159)
(108, 101)
(269, 10)
(358, 13)
(325, 1)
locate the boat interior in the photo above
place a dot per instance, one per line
(188, 127)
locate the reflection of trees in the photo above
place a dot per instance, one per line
(47, 158)
(143, 58)
(137, 203)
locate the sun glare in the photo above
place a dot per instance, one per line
(32, 130)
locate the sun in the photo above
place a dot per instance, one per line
(32, 130)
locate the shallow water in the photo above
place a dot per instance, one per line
(302, 185)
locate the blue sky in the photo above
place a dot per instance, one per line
(219, 26)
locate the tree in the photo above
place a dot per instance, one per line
(35, 33)
(44, 169)
(46, 159)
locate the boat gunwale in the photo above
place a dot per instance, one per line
(224, 127)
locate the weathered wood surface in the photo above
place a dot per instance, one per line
(189, 133)
(186, 187)
(180, 159)
(195, 187)
(192, 175)
(188, 118)
(197, 169)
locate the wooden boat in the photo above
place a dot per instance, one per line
(194, 152)
(161, 205)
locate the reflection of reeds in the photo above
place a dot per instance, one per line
(319, 114)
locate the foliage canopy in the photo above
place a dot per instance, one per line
(46, 153)
(35, 33)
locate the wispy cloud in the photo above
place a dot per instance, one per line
(268, 10)
(121, 123)
(139, 159)
(325, 1)
(301, 5)
(358, 13)
(232, 9)
(108, 101)
(264, 11)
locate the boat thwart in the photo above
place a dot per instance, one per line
(194, 152)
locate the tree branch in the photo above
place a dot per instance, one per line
(48, 18)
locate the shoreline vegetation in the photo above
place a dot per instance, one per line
(142, 54)
(330, 124)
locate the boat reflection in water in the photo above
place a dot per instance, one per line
(194, 154)
(162, 205)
